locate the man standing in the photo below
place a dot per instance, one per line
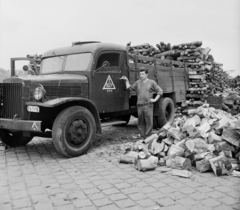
(145, 88)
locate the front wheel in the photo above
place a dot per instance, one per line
(73, 131)
(14, 139)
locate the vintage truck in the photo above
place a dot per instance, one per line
(76, 89)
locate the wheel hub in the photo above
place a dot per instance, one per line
(78, 131)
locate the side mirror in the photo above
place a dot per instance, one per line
(25, 68)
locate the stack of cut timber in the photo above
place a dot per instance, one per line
(37, 58)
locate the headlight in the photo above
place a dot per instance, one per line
(39, 93)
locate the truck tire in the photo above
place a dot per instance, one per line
(14, 139)
(73, 131)
(167, 111)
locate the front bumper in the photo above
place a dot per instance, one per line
(20, 125)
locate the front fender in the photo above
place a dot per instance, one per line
(79, 101)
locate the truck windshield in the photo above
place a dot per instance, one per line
(73, 62)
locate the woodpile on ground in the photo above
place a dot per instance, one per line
(205, 138)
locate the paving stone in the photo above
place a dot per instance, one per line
(155, 195)
(137, 196)
(102, 202)
(177, 185)
(65, 207)
(91, 191)
(215, 194)
(133, 180)
(60, 202)
(21, 203)
(97, 196)
(223, 189)
(199, 206)
(130, 190)
(86, 186)
(122, 185)
(82, 203)
(125, 203)
(45, 206)
(177, 207)
(204, 189)
(36, 190)
(229, 200)
(234, 194)
(223, 207)
(110, 191)
(210, 202)
(145, 202)
(118, 196)
(198, 196)
(187, 201)
(187, 190)
(158, 185)
(176, 195)
(40, 198)
(109, 207)
(100, 182)
(211, 184)
(19, 194)
(148, 189)
(165, 202)
(166, 190)
(236, 206)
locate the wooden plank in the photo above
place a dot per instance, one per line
(145, 58)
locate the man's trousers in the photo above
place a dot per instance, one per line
(145, 119)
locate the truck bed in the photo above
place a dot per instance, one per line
(171, 76)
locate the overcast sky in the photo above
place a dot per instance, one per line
(35, 26)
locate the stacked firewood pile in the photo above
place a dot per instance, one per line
(205, 139)
(37, 58)
(186, 52)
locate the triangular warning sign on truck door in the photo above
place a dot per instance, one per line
(109, 85)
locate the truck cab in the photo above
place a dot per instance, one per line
(76, 88)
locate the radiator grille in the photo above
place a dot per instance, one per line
(12, 100)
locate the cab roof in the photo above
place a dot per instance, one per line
(83, 47)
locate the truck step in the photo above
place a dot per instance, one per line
(116, 122)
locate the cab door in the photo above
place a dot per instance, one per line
(109, 92)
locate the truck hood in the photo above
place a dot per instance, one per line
(61, 78)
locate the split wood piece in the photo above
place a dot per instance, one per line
(203, 165)
(179, 163)
(146, 164)
(182, 173)
(128, 157)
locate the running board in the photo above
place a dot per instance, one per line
(108, 123)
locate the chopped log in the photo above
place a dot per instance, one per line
(128, 157)
(179, 163)
(203, 165)
(182, 173)
(146, 164)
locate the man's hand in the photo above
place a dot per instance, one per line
(124, 78)
(152, 100)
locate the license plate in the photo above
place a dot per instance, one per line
(33, 108)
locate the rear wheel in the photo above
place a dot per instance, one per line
(14, 139)
(73, 131)
(166, 113)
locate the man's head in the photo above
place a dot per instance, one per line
(143, 74)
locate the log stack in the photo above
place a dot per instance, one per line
(37, 58)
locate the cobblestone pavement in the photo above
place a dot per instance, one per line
(37, 177)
